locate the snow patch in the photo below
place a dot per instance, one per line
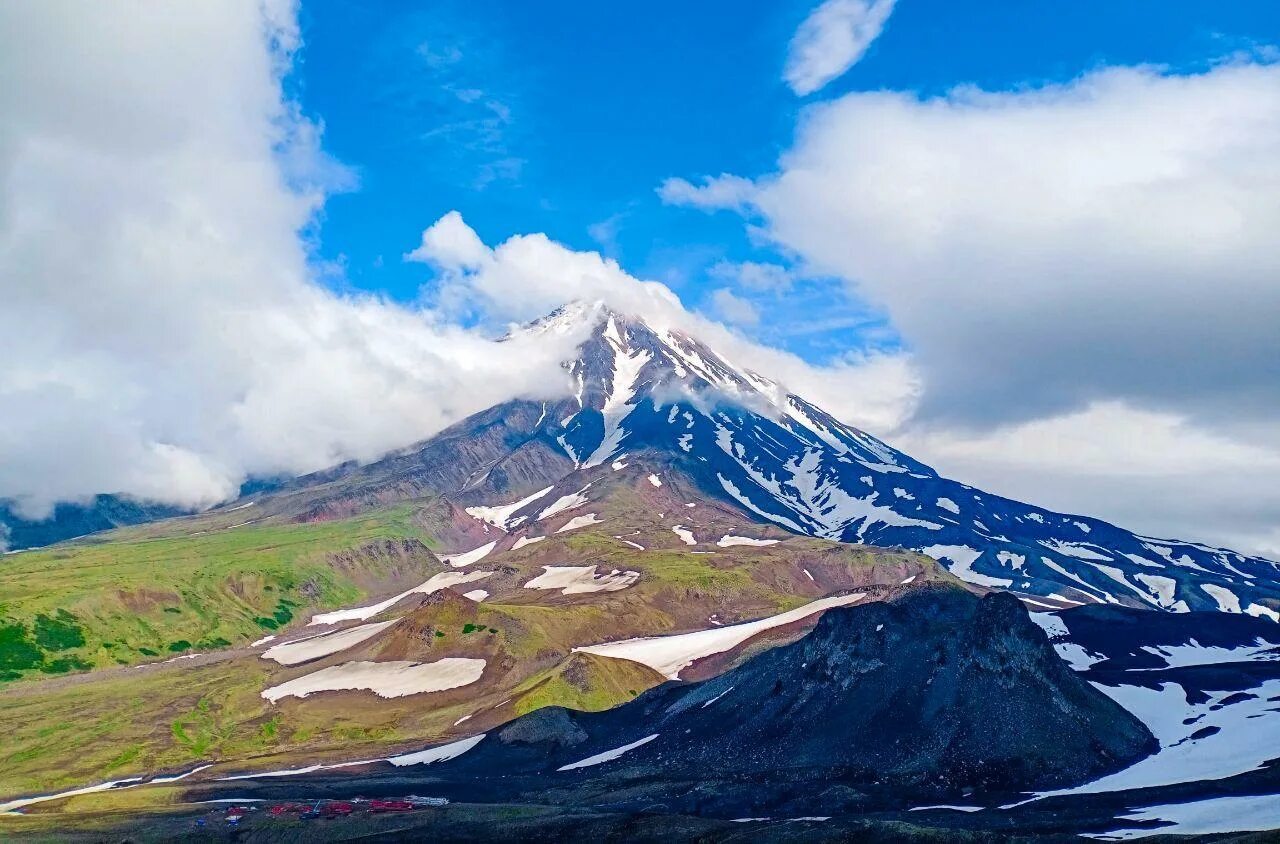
(443, 753)
(1074, 549)
(962, 559)
(315, 647)
(466, 558)
(608, 755)
(437, 582)
(729, 540)
(580, 522)
(564, 502)
(396, 678)
(669, 655)
(622, 388)
(500, 515)
(1226, 599)
(573, 580)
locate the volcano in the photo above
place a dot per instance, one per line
(660, 403)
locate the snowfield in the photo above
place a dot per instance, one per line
(608, 755)
(573, 580)
(1248, 735)
(385, 679)
(729, 541)
(466, 558)
(580, 522)
(500, 515)
(314, 647)
(1203, 734)
(669, 655)
(437, 582)
(1255, 813)
(443, 753)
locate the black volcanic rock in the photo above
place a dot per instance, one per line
(938, 690)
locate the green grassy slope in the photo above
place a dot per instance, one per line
(134, 596)
(213, 584)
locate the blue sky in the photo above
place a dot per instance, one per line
(564, 117)
(1031, 244)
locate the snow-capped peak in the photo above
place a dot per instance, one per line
(747, 439)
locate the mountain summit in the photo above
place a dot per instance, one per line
(743, 437)
(657, 401)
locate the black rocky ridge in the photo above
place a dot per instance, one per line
(937, 693)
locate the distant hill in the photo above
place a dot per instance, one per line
(69, 520)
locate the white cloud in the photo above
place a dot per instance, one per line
(160, 332)
(831, 40)
(1085, 275)
(528, 275)
(734, 308)
(451, 244)
(605, 232)
(723, 192)
(1042, 249)
(1101, 251)
(1150, 472)
(754, 275)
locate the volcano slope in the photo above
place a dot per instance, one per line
(929, 696)
(560, 582)
(670, 493)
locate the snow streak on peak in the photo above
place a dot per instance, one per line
(745, 439)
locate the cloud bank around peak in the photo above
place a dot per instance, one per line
(161, 331)
(526, 276)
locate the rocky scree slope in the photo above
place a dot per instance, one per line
(937, 692)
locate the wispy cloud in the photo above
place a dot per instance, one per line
(453, 85)
(733, 308)
(754, 275)
(605, 233)
(831, 40)
(716, 193)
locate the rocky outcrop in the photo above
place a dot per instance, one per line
(937, 690)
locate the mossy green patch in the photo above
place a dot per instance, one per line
(181, 581)
(62, 665)
(585, 682)
(58, 632)
(17, 651)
